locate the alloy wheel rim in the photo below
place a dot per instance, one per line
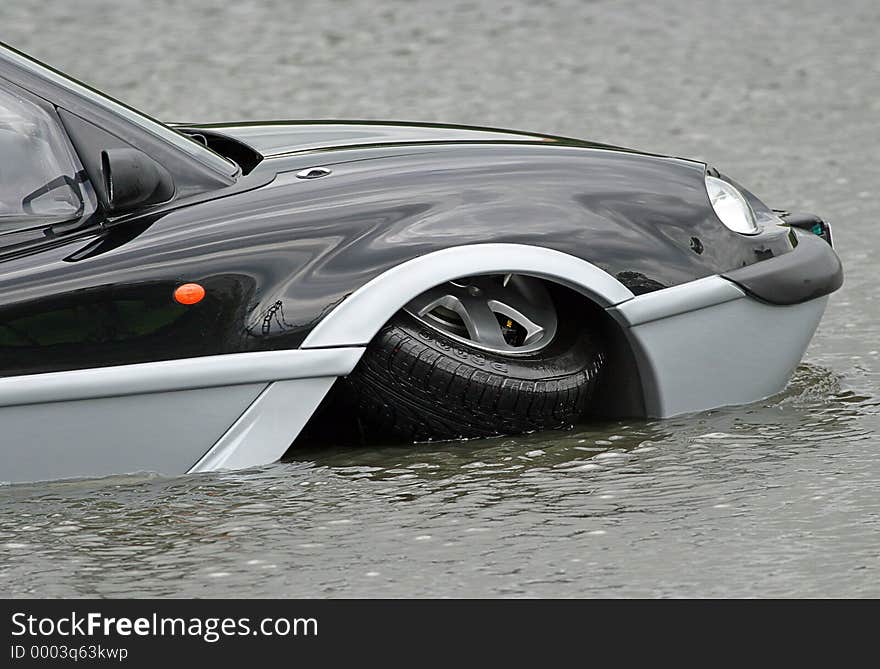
(510, 314)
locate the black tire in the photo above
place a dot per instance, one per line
(418, 384)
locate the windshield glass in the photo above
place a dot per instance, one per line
(158, 129)
(38, 177)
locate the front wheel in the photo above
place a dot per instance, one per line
(479, 357)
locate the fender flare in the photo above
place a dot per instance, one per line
(357, 319)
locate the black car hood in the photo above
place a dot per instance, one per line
(277, 138)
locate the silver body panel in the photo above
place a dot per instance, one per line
(734, 352)
(162, 432)
(161, 417)
(265, 431)
(699, 345)
(170, 375)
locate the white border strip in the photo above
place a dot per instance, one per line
(680, 299)
(364, 312)
(168, 375)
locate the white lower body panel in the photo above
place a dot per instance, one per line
(720, 347)
(157, 432)
(265, 431)
(170, 417)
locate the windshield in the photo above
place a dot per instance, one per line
(38, 177)
(158, 129)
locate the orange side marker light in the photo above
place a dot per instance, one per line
(189, 293)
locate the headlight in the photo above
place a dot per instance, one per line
(731, 207)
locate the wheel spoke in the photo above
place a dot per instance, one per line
(533, 330)
(477, 300)
(438, 296)
(520, 301)
(481, 323)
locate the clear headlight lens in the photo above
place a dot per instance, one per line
(732, 208)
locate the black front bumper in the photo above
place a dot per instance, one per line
(812, 269)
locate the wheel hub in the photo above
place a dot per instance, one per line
(508, 314)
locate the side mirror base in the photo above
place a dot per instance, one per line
(132, 180)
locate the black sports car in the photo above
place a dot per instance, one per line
(188, 298)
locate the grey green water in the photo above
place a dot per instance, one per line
(779, 498)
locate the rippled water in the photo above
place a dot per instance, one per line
(777, 498)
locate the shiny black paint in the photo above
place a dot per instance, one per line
(277, 253)
(278, 138)
(276, 258)
(811, 271)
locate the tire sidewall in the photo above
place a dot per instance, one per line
(573, 349)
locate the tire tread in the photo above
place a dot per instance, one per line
(411, 384)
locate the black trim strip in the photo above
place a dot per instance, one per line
(811, 270)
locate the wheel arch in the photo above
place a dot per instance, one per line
(356, 320)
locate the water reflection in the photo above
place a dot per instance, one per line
(498, 457)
